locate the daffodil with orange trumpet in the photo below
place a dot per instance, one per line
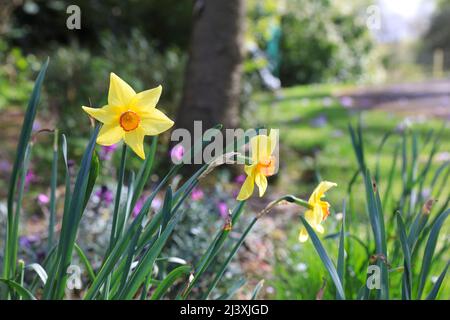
(129, 116)
(263, 164)
(318, 210)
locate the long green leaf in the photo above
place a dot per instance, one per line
(85, 261)
(434, 292)
(145, 171)
(407, 276)
(53, 185)
(174, 275)
(429, 251)
(20, 290)
(325, 260)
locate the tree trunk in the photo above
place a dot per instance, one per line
(213, 73)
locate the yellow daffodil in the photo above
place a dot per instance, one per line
(263, 165)
(129, 116)
(319, 211)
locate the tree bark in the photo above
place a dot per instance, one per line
(213, 74)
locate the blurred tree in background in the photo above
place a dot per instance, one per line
(213, 74)
(438, 35)
(323, 41)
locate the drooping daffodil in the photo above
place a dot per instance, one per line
(263, 164)
(319, 209)
(129, 116)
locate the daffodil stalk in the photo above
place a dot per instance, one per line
(282, 200)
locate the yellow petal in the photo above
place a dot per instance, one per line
(147, 99)
(135, 140)
(303, 235)
(310, 217)
(247, 188)
(320, 190)
(250, 169)
(319, 228)
(110, 134)
(154, 122)
(261, 182)
(261, 148)
(318, 214)
(107, 114)
(120, 92)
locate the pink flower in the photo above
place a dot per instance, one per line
(30, 177)
(347, 101)
(197, 194)
(223, 209)
(137, 207)
(43, 199)
(156, 203)
(177, 153)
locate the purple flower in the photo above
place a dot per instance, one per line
(177, 153)
(107, 151)
(28, 241)
(104, 195)
(240, 179)
(197, 194)
(43, 199)
(319, 121)
(223, 209)
(36, 126)
(347, 101)
(5, 166)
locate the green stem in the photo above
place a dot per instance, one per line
(53, 183)
(118, 194)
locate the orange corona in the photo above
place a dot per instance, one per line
(129, 120)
